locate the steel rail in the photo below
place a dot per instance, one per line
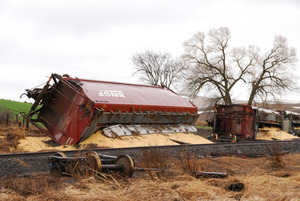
(29, 162)
(164, 147)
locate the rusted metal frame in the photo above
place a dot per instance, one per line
(91, 129)
(40, 118)
(107, 117)
(237, 112)
(270, 122)
(73, 88)
(225, 133)
(33, 121)
(104, 118)
(39, 98)
(215, 122)
(255, 124)
(33, 110)
(65, 165)
(44, 90)
(38, 126)
(66, 97)
(68, 84)
(43, 119)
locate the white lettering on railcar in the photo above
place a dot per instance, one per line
(111, 93)
(69, 140)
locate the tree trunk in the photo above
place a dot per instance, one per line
(227, 99)
(252, 95)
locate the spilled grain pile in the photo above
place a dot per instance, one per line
(32, 144)
(273, 133)
(144, 140)
(35, 144)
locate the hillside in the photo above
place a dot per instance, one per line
(14, 107)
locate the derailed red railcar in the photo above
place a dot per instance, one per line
(71, 109)
(244, 121)
(236, 119)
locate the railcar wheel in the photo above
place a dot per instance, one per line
(94, 161)
(60, 154)
(56, 167)
(126, 164)
(234, 138)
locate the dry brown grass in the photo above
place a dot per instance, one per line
(29, 185)
(261, 181)
(271, 178)
(10, 137)
(189, 162)
(275, 151)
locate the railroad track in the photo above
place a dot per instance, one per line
(25, 163)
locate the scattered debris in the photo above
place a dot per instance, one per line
(232, 154)
(211, 174)
(179, 142)
(237, 187)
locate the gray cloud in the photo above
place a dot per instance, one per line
(75, 17)
(96, 39)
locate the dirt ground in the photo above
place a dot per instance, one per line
(269, 178)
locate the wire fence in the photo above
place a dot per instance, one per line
(9, 119)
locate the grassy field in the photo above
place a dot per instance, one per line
(14, 107)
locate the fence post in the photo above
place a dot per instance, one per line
(23, 122)
(7, 119)
(27, 123)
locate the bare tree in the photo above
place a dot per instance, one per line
(209, 67)
(274, 71)
(157, 68)
(212, 66)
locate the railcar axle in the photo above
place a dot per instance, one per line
(90, 163)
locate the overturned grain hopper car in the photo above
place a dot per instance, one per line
(243, 121)
(69, 109)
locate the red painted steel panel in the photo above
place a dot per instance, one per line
(128, 97)
(63, 114)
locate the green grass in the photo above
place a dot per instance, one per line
(14, 107)
(204, 127)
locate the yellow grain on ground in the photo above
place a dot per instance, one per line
(35, 144)
(144, 140)
(273, 133)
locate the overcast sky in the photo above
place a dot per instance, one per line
(95, 39)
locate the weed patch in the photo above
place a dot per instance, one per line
(275, 151)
